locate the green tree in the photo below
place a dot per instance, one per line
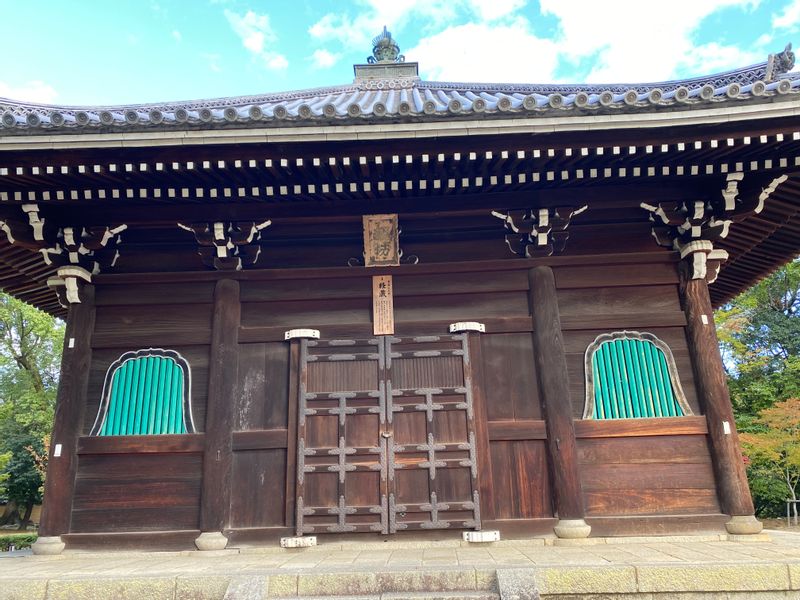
(759, 335)
(30, 356)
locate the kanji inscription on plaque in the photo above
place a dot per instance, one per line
(381, 241)
(382, 305)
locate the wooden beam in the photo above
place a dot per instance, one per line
(527, 429)
(138, 444)
(70, 404)
(709, 376)
(554, 387)
(694, 425)
(222, 389)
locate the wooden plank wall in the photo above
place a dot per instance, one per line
(132, 483)
(664, 468)
(119, 487)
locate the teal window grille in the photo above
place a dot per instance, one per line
(146, 392)
(632, 375)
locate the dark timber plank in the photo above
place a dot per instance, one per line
(260, 439)
(510, 264)
(70, 402)
(641, 427)
(481, 432)
(222, 389)
(529, 429)
(291, 452)
(554, 386)
(343, 329)
(126, 444)
(715, 398)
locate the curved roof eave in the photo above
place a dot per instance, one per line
(407, 102)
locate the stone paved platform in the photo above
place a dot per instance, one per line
(685, 568)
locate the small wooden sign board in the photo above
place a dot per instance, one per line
(382, 305)
(381, 241)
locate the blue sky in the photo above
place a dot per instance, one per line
(96, 52)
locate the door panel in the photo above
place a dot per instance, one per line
(386, 436)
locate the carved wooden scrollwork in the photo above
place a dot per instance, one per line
(693, 226)
(76, 251)
(228, 246)
(537, 232)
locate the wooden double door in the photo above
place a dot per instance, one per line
(386, 436)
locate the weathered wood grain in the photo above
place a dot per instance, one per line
(222, 388)
(125, 444)
(713, 391)
(70, 405)
(554, 387)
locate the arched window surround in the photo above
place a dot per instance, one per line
(677, 390)
(187, 419)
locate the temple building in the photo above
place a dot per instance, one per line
(399, 307)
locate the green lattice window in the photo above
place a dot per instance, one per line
(146, 392)
(631, 375)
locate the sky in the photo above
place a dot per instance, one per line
(107, 52)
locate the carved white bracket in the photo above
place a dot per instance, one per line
(467, 326)
(227, 246)
(66, 284)
(296, 334)
(691, 227)
(537, 232)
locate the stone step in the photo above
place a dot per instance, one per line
(464, 595)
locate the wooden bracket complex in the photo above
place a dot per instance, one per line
(691, 227)
(537, 232)
(227, 246)
(78, 252)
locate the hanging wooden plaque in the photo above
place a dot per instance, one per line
(381, 243)
(382, 305)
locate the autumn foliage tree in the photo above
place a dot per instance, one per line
(774, 451)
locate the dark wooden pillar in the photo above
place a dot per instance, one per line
(70, 406)
(554, 387)
(713, 389)
(222, 388)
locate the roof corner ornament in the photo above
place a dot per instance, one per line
(385, 49)
(78, 252)
(778, 64)
(691, 227)
(227, 246)
(538, 232)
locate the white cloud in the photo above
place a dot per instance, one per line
(789, 18)
(176, 35)
(213, 62)
(491, 10)
(356, 33)
(323, 59)
(476, 52)
(257, 36)
(631, 40)
(30, 91)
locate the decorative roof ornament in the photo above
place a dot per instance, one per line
(778, 64)
(385, 49)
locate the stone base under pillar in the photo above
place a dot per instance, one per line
(211, 540)
(48, 546)
(571, 529)
(744, 525)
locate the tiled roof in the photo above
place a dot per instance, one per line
(402, 99)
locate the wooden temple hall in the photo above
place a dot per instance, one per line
(399, 307)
